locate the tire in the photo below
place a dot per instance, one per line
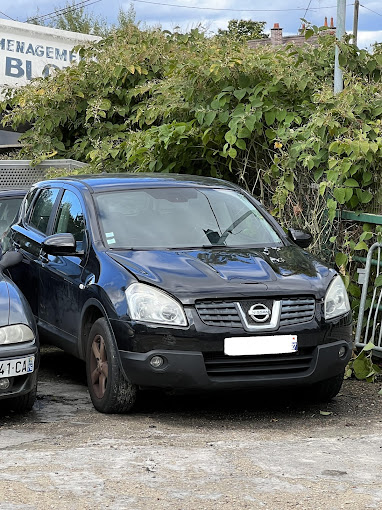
(24, 403)
(109, 390)
(325, 390)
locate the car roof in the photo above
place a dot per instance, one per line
(111, 182)
(13, 193)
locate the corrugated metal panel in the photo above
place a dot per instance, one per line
(20, 174)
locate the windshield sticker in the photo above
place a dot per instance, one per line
(111, 241)
(109, 234)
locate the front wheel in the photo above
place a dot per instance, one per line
(23, 403)
(109, 390)
(325, 390)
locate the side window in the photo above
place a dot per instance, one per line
(28, 202)
(43, 209)
(70, 218)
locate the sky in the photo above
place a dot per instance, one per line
(154, 13)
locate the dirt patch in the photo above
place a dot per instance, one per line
(247, 450)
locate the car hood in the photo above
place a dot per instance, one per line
(210, 273)
(14, 308)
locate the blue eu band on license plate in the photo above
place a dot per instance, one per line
(17, 366)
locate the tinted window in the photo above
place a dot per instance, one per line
(43, 209)
(70, 218)
(28, 202)
(182, 218)
(9, 207)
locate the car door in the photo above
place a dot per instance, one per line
(27, 236)
(61, 276)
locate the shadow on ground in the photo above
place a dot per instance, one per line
(357, 400)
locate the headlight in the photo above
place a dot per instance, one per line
(15, 334)
(336, 299)
(148, 304)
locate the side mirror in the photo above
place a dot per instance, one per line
(9, 259)
(299, 237)
(59, 244)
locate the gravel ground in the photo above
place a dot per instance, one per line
(232, 451)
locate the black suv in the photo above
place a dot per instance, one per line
(178, 282)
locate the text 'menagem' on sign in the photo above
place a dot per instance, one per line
(29, 51)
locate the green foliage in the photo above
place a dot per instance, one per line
(126, 18)
(362, 366)
(150, 100)
(244, 30)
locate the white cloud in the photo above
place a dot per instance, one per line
(367, 38)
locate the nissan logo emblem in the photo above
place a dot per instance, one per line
(259, 312)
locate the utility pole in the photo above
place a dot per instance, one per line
(340, 32)
(355, 21)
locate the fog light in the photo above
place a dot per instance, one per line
(156, 361)
(4, 383)
(342, 351)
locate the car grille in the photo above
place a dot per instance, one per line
(219, 365)
(295, 311)
(219, 313)
(225, 313)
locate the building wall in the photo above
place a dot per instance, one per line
(277, 38)
(28, 51)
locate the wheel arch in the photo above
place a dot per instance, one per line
(92, 311)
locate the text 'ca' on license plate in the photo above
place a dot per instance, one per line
(19, 366)
(254, 345)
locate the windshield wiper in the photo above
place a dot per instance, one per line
(199, 247)
(229, 230)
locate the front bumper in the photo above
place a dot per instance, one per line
(21, 384)
(195, 370)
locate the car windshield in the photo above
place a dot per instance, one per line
(9, 207)
(174, 218)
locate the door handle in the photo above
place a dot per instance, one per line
(90, 280)
(43, 257)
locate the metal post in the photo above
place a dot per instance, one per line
(340, 31)
(355, 21)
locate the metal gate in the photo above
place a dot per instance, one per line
(369, 326)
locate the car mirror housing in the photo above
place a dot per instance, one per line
(300, 237)
(59, 244)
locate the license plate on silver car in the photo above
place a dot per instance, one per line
(19, 366)
(255, 345)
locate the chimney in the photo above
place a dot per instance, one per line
(326, 22)
(276, 35)
(301, 31)
(332, 23)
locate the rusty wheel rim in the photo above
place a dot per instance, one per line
(98, 366)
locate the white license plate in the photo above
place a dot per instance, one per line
(253, 345)
(19, 366)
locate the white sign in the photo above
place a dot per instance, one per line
(30, 51)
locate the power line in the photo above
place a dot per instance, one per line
(371, 10)
(235, 10)
(307, 9)
(60, 12)
(6, 15)
(75, 6)
(73, 10)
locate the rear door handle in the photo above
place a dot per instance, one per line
(43, 257)
(90, 280)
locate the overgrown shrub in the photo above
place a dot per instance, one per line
(265, 118)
